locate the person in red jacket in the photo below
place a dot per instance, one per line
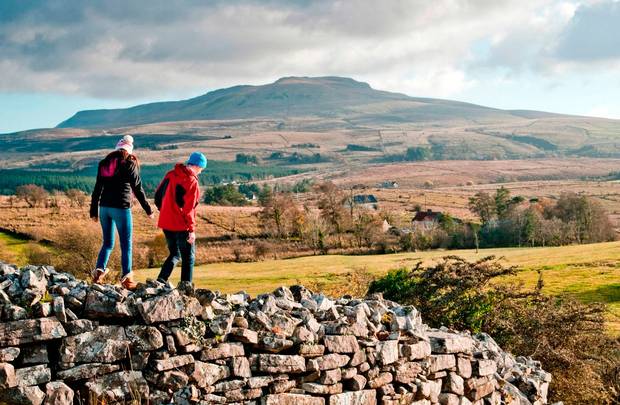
(176, 198)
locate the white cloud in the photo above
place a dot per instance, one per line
(157, 48)
(604, 111)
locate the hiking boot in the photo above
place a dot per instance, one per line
(128, 282)
(166, 283)
(98, 275)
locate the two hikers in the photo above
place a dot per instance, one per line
(118, 179)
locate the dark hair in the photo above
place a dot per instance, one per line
(124, 155)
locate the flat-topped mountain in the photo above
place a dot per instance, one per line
(318, 97)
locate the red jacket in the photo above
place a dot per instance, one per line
(177, 197)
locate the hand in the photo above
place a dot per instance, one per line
(94, 219)
(152, 215)
(191, 238)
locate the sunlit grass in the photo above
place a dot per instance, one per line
(13, 249)
(588, 272)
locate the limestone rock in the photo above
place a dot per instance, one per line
(119, 386)
(293, 399)
(366, 397)
(86, 371)
(168, 307)
(320, 389)
(22, 395)
(7, 376)
(35, 375)
(206, 374)
(387, 352)
(58, 393)
(30, 330)
(106, 344)
(144, 338)
(34, 277)
(441, 362)
(9, 354)
(195, 346)
(447, 343)
(173, 362)
(277, 363)
(100, 305)
(341, 344)
(222, 351)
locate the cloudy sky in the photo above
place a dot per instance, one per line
(61, 56)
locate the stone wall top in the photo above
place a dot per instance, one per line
(64, 341)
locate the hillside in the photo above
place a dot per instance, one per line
(325, 97)
(327, 127)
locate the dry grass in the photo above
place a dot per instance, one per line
(213, 222)
(459, 172)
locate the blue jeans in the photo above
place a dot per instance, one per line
(180, 249)
(119, 218)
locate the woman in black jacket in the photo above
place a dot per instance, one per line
(118, 179)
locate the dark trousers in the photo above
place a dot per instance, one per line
(180, 249)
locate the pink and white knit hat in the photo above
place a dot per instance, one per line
(126, 143)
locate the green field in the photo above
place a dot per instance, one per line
(12, 249)
(591, 273)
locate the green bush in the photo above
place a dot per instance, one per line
(224, 195)
(567, 336)
(451, 293)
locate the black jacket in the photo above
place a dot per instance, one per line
(116, 179)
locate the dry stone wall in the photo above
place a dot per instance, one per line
(63, 341)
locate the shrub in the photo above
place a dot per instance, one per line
(417, 153)
(261, 249)
(246, 159)
(567, 336)
(33, 195)
(224, 195)
(157, 251)
(249, 190)
(78, 245)
(77, 197)
(280, 216)
(355, 284)
(38, 255)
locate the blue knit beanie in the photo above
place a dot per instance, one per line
(197, 159)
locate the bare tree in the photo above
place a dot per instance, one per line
(76, 197)
(331, 203)
(316, 231)
(32, 194)
(280, 216)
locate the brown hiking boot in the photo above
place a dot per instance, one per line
(128, 282)
(98, 275)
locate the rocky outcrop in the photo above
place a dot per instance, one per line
(63, 341)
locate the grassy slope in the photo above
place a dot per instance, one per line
(12, 249)
(589, 272)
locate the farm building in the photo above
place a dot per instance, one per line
(425, 220)
(388, 184)
(366, 200)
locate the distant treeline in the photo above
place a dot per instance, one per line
(84, 179)
(88, 143)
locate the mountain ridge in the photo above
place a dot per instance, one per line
(292, 96)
